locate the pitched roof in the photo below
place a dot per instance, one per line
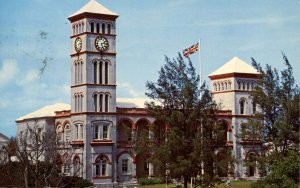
(94, 7)
(46, 111)
(3, 138)
(235, 65)
(131, 102)
(49, 111)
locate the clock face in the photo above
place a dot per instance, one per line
(78, 44)
(101, 43)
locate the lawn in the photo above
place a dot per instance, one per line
(234, 184)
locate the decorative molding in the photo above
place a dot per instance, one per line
(92, 33)
(94, 52)
(230, 75)
(88, 84)
(92, 15)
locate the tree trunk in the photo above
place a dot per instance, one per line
(26, 177)
(185, 182)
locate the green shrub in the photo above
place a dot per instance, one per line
(149, 181)
(69, 181)
(259, 184)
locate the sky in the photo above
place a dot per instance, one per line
(35, 39)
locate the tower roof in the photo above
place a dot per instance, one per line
(94, 7)
(235, 65)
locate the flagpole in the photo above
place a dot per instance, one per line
(200, 67)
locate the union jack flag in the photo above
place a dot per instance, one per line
(191, 50)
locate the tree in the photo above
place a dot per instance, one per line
(181, 147)
(40, 160)
(278, 98)
(278, 119)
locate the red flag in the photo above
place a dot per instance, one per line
(191, 50)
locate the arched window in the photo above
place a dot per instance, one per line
(101, 163)
(76, 163)
(98, 28)
(252, 85)
(242, 106)
(79, 103)
(92, 27)
(229, 85)
(95, 102)
(66, 165)
(106, 72)
(101, 102)
(75, 103)
(95, 72)
(225, 85)
(103, 28)
(222, 86)
(59, 134)
(67, 133)
(215, 87)
(79, 72)
(73, 29)
(82, 27)
(248, 86)
(81, 106)
(106, 102)
(108, 28)
(100, 72)
(219, 87)
(239, 85)
(75, 72)
(244, 85)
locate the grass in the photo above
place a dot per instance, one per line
(237, 184)
(234, 184)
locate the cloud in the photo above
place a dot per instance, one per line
(8, 71)
(4, 103)
(133, 92)
(31, 76)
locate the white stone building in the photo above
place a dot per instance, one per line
(94, 123)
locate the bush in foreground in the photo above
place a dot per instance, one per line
(149, 181)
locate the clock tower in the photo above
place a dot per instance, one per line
(93, 90)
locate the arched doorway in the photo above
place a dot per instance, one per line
(159, 130)
(222, 128)
(126, 166)
(251, 160)
(222, 163)
(124, 132)
(142, 127)
(142, 165)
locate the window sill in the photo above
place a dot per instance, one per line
(102, 143)
(77, 142)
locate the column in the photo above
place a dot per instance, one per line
(133, 132)
(151, 174)
(133, 172)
